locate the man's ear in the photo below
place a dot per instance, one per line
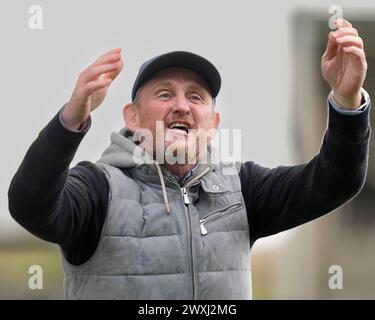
(216, 120)
(130, 114)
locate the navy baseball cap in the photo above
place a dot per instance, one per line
(181, 59)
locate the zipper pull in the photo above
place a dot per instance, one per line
(203, 229)
(186, 198)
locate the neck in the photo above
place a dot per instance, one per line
(179, 170)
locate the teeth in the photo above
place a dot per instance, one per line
(178, 126)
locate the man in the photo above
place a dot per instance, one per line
(135, 229)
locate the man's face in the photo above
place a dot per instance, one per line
(180, 98)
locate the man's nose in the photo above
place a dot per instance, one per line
(181, 106)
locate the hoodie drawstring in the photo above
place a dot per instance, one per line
(165, 197)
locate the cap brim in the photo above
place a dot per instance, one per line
(182, 59)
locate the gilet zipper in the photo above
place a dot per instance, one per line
(214, 215)
(185, 197)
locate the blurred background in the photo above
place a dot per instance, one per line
(268, 53)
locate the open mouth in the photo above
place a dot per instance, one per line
(183, 126)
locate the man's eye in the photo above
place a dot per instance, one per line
(165, 95)
(195, 98)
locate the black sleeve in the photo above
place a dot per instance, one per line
(287, 196)
(54, 203)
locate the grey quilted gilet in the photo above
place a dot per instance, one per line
(200, 250)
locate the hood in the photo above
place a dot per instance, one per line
(123, 152)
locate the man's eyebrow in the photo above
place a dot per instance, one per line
(197, 87)
(190, 86)
(162, 84)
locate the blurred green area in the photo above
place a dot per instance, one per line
(15, 261)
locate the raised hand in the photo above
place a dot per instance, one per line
(344, 64)
(91, 88)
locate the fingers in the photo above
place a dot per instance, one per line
(345, 36)
(93, 86)
(350, 41)
(342, 23)
(113, 74)
(107, 66)
(108, 57)
(345, 31)
(95, 71)
(358, 53)
(100, 74)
